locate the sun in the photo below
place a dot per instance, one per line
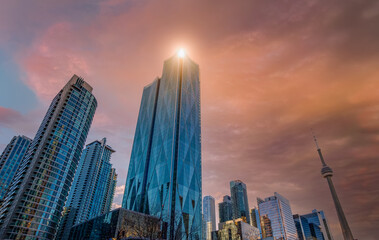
(181, 53)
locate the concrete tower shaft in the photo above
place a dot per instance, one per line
(327, 173)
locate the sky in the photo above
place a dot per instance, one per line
(270, 72)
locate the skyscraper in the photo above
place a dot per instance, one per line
(319, 223)
(10, 160)
(164, 176)
(313, 226)
(92, 191)
(254, 217)
(209, 215)
(276, 210)
(266, 229)
(225, 209)
(110, 191)
(327, 173)
(302, 227)
(33, 205)
(239, 200)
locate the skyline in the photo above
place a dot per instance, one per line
(263, 87)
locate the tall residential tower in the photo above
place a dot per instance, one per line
(10, 160)
(327, 173)
(34, 203)
(164, 176)
(93, 188)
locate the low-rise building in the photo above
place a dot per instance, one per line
(237, 229)
(120, 224)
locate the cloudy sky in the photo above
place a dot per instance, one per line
(270, 71)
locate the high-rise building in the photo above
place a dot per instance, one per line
(34, 203)
(209, 215)
(266, 229)
(312, 226)
(164, 176)
(110, 191)
(10, 160)
(225, 209)
(93, 188)
(302, 228)
(327, 173)
(254, 217)
(277, 211)
(239, 200)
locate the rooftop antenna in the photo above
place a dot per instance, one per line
(319, 151)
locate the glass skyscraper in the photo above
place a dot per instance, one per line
(254, 217)
(239, 200)
(276, 212)
(164, 176)
(225, 209)
(34, 203)
(110, 191)
(209, 215)
(302, 227)
(312, 226)
(10, 160)
(93, 188)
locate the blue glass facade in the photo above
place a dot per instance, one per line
(255, 219)
(225, 209)
(110, 190)
(164, 176)
(277, 211)
(10, 160)
(209, 215)
(302, 227)
(313, 226)
(93, 188)
(239, 200)
(34, 203)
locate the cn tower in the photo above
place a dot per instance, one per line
(327, 173)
